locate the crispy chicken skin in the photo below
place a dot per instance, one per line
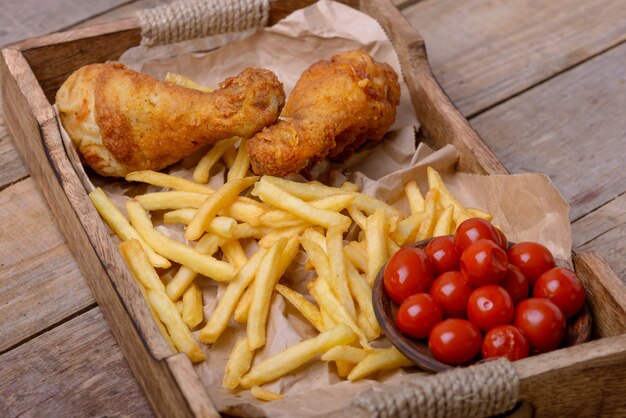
(122, 121)
(335, 107)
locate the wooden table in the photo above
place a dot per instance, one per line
(544, 83)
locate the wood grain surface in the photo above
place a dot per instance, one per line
(483, 52)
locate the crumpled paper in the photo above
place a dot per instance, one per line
(526, 206)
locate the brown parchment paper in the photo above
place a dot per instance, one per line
(525, 206)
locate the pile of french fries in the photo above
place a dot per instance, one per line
(277, 219)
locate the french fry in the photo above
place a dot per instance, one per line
(272, 267)
(444, 223)
(229, 156)
(350, 187)
(192, 306)
(120, 225)
(391, 246)
(414, 196)
(243, 307)
(345, 353)
(220, 225)
(241, 164)
(344, 368)
(354, 254)
(366, 326)
(140, 265)
(201, 172)
(335, 203)
(170, 200)
(279, 198)
(363, 295)
(428, 220)
(245, 210)
(376, 240)
(226, 306)
(317, 256)
(279, 218)
(234, 253)
(328, 301)
(315, 235)
(238, 363)
(435, 182)
(183, 81)
(407, 228)
(207, 245)
(264, 394)
(327, 319)
(179, 306)
(174, 250)
(245, 230)
(306, 308)
(211, 206)
(358, 216)
(295, 356)
(168, 181)
(380, 359)
(279, 233)
(479, 213)
(177, 329)
(337, 278)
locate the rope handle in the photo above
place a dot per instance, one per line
(482, 390)
(190, 19)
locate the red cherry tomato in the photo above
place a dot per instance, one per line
(516, 284)
(418, 314)
(490, 306)
(408, 272)
(531, 258)
(504, 242)
(563, 288)
(505, 341)
(452, 292)
(443, 254)
(455, 341)
(484, 263)
(542, 322)
(472, 230)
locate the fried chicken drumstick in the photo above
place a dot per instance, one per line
(335, 107)
(122, 121)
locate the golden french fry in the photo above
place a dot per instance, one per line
(120, 225)
(192, 306)
(168, 181)
(391, 246)
(279, 233)
(444, 223)
(140, 266)
(295, 356)
(435, 182)
(220, 225)
(245, 210)
(345, 353)
(357, 216)
(315, 235)
(414, 196)
(335, 203)
(177, 329)
(279, 218)
(281, 199)
(357, 257)
(201, 172)
(170, 200)
(327, 319)
(241, 164)
(376, 240)
(264, 394)
(219, 320)
(229, 156)
(238, 363)
(316, 256)
(234, 253)
(337, 278)
(174, 250)
(212, 204)
(157, 321)
(246, 230)
(179, 306)
(207, 245)
(272, 267)
(363, 295)
(407, 228)
(429, 219)
(327, 300)
(381, 359)
(306, 308)
(243, 307)
(344, 368)
(479, 213)
(366, 326)
(183, 81)
(350, 187)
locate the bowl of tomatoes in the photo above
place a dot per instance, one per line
(472, 296)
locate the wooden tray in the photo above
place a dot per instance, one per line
(581, 380)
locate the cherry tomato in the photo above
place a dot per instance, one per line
(418, 314)
(455, 341)
(408, 272)
(563, 288)
(483, 263)
(542, 322)
(452, 292)
(516, 284)
(473, 229)
(490, 306)
(505, 341)
(443, 254)
(531, 258)
(504, 242)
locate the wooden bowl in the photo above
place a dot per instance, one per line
(578, 327)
